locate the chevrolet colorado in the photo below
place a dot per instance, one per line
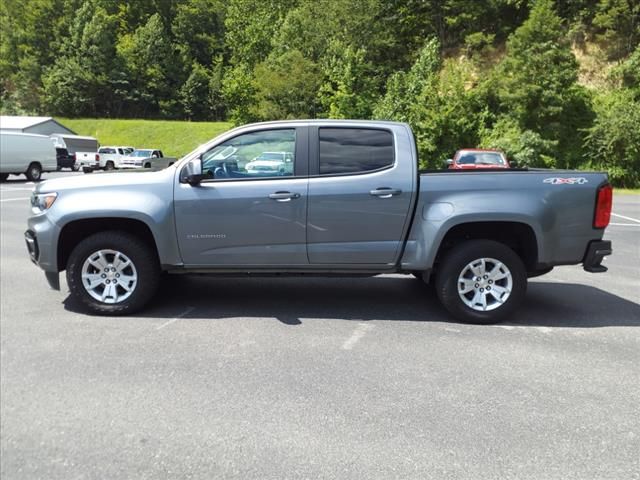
(353, 203)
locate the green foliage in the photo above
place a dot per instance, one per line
(536, 84)
(78, 83)
(610, 145)
(451, 116)
(194, 92)
(286, 87)
(526, 147)
(400, 102)
(349, 89)
(440, 65)
(149, 60)
(239, 93)
(619, 25)
(198, 29)
(628, 73)
(250, 26)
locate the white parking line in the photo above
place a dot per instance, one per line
(14, 199)
(625, 224)
(11, 189)
(182, 315)
(626, 218)
(357, 334)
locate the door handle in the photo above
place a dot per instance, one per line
(385, 192)
(283, 196)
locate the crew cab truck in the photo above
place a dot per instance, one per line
(354, 203)
(111, 156)
(146, 158)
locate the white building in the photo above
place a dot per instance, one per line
(39, 125)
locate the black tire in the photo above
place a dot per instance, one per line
(147, 165)
(34, 172)
(456, 261)
(3, 177)
(109, 166)
(141, 255)
(75, 168)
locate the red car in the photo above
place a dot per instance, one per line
(478, 158)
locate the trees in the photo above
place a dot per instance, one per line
(613, 143)
(79, 82)
(536, 84)
(440, 65)
(286, 87)
(149, 60)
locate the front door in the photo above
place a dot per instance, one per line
(253, 211)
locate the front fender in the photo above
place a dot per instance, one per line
(146, 205)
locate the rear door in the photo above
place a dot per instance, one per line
(242, 219)
(360, 195)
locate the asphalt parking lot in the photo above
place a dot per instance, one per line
(321, 378)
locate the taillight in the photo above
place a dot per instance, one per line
(97, 157)
(603, 206)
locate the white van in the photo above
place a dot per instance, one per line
(26, 153)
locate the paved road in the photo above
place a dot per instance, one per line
(321, 378)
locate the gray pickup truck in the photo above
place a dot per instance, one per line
(353, 203)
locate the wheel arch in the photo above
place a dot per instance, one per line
(75, 231)
(518, 236)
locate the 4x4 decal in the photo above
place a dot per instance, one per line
(566, 181)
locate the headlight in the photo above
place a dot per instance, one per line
(42, 201)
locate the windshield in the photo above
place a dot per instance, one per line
(142, 153)
(480, 158)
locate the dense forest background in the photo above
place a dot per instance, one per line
(554, 84)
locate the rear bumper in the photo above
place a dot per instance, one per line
(596, 251)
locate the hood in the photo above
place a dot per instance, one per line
(106, 179)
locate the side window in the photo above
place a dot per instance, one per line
(354, 150)
(270, 153)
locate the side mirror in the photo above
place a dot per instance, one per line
(449, 161)
(192, 172)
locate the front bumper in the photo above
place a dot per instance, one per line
(41, 242)
(596, 251)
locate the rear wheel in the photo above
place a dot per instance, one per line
(113, 273)
(34, 172)
(109, 166)
(481, 281)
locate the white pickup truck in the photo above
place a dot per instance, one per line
(112, 156)
(147, 158)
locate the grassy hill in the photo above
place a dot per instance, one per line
(174, 138)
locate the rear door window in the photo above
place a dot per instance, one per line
(345, 151)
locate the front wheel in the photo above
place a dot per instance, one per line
(481, 281)
(113, 273)
(34, 172)
(109, 166)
